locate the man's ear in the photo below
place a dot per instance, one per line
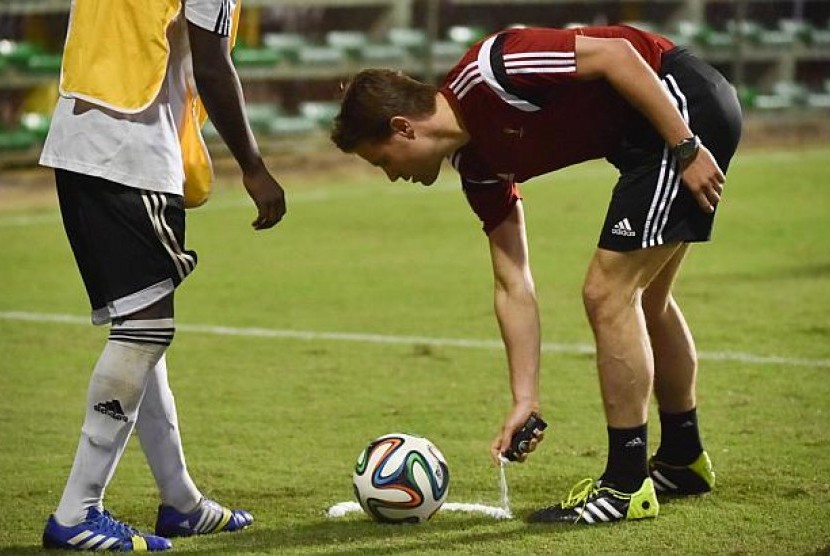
(402, 126)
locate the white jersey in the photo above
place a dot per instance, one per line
(138, 150)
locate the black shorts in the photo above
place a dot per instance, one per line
(128, 243)
(650, 206)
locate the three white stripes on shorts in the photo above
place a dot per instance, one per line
(668, 182)
(155, 203)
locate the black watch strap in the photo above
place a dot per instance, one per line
(686, 149)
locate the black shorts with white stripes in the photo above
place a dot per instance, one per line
(128, 243)
(650, 206)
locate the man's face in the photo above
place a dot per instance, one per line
(406, 154)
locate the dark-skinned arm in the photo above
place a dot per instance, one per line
(221, 93)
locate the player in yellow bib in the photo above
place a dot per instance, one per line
(138, 78)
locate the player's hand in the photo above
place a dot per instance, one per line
(516, 419)
(704, 179)
(268, 196)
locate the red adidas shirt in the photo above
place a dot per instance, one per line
(527, 114)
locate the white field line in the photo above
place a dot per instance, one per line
(317, 196)
(309, 335)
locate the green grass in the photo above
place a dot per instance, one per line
(275, 424)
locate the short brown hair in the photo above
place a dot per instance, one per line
(371, 99)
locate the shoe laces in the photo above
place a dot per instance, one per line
(108, 524)
(579, 493)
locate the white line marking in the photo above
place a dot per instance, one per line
(740, 357)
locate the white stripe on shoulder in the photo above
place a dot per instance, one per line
(555, 62)
(490, 79)
(463, 92)
(463, 74)
(551, 54)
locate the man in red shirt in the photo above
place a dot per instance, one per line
(525, 102)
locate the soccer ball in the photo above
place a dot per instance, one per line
(401, 478)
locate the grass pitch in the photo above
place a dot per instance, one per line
(297, 346)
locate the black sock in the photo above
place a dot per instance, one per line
(679, 438)
(627, 458)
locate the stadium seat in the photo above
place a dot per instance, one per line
(288, 45)
(291, 125)
(36, 124)
(17, 139)
(465, 35)
(350, 42)
(412, 40)
(18, 52)
(245, 56)
(784, 95)
(261, 114)
(321, 112)
(314, 55)
(44, 63)
(383, 54)
(797, 28)
(447, 50)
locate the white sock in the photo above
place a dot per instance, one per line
(158, 431)
(113, 397)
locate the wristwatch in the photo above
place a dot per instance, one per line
(686, 149)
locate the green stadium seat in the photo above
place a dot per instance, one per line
(18, 52)
(17, 140)
(818, 100)
(292, 125)
(44, 63)
(288, 45)
(465, 35)
(261, 114)
(799, 29)
(350, 42)
(245, 56)
(448, 50)
(412, 40)
(321, 112)
(35, 123)
(320, 56)
(784, 95)
(748, 30)
(383, 54)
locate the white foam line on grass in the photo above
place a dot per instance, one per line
(310, 335)
(342, 508)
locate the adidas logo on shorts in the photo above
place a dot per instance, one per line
(623, 228)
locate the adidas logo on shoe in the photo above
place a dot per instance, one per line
(111, 408)
(623, 228)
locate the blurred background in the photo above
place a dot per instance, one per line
(292, 56)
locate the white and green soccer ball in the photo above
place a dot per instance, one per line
(401, 478)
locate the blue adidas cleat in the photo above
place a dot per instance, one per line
(208, 517)
(100, 531)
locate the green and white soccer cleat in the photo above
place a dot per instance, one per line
(682, 480)
(591, 503)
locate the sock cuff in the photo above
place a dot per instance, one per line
(153, 331)
(678, 419)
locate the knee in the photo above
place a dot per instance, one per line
(604, 300)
